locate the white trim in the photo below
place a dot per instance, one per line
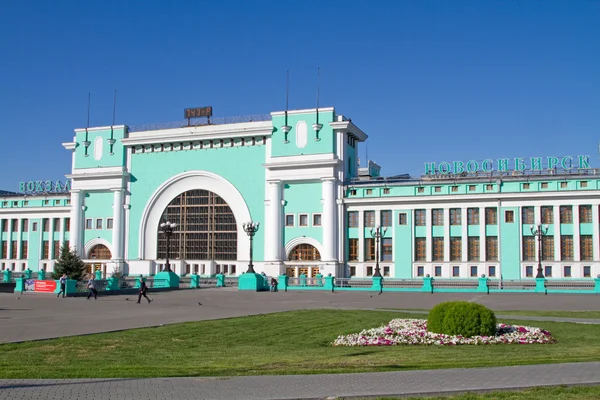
(99, 128)
(285, 224)
(303, 240)
(303, 111)
(183, 182)
(93, 242)
(307, 221)
(312, 222)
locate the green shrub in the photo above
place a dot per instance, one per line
(462, 318)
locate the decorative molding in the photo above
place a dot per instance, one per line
(92, 243)
(302, 240)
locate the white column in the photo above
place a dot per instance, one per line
(329, 220)
(9, 252)
(482, 235)
(117, 230)
(361, 236)
(19, 238)
(556, 212)
(464, 224)
(61, 238)
(51, 254)
(447, 235)
(596, 233)
(274, 226)
(428, 237)
(576, 254)
(76, 225)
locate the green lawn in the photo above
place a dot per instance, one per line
(554, 393)
(284, 343)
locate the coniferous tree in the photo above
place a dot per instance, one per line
(68, 263)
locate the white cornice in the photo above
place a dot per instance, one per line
(301, 164)
(348, 126)
(305, 111)
(99, 128)
(98, 173)
(69, 145)
(46, 211)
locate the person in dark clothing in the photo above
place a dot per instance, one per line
(143, 290)
(63, 285)
(91, 284)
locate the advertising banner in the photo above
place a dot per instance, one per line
(45, 286)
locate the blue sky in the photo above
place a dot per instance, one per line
(426, 80)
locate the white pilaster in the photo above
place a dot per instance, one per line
(361, 236)
(19, 254)
(9, 252)
(61, 239)
(76, 225)
(52, 229)
(596, 232)
(482, 236)
(429, 237)
(447, 234)
(556, 211)
(329, 219)
(274, 226)
(465, 234)
(117, 245)
(576, 234)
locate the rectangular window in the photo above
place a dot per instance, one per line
(474, 271)
(509, 216)
(25, 249)
(316, 219)
(437, 189)
(586, 249)
(455, 271)
(109, 223)
(473, 216)
(548, 271)
(46, 224)
(587, 270)
(34, 226)
(526, 186)
(352, 192)
(88, 223)
(99, 223)
(473, 245)
(4, 250)
(56, 249)
(420, 249)
(544, 185)
(548, 248)
(56, 224)
(386, 249)
(438, 249)
(566, 214)
(386, 271)
(353, 250)
(369, 249)
(421, 190)
(455, 249)
(529, 271)
(564, 185)
(402, 219)
(67, 224)
(489, 187)
(438, 270)
(472, 188)
(567, 271)
(289, 220)
(455, 216)
(352, 219)
(14, 246)
(491, 248)
(585, 214)
(419, 217)
(491, 216)
(369, 219)
(420, 271)
(25, 226)
(547, 214)
(369, 192)
(437, 217)
(352, 271)
(529, 248)
(386, 218)
(46, 250)
(566, 247)
(455, 188)
(527, 216)
(492, 271)
(583, 184)
(303, 220)
(386, 190)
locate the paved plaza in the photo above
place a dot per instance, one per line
(38, 316)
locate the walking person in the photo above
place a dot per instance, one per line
(63, 285)
(91, 285)
(143, 290)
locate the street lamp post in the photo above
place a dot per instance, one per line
(167, 229)
(377, 234)
(251, 228)
(539, 231)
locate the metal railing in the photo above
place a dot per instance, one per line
(569, 285)
(353, 283)
(513, 284)
(403, 283)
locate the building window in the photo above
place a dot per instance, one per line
(509, 216)
(489, 187)
(420, 249)
(473, 245)
(547, 214)
(529, 271)
(455, 188)
(437, 217)
(304, 252)
(88, 223)
(437, 189)
(14, 250)
(46, 202)
(566, 214)
(25, 226)
(548, 248)
(491, 248)
(56, 249)
(352, 192)
(109, 223)
(352, 219)
(386, 190)
(566, 247)
(587, 271)
(419, 217)
(303, 220)
(386, 218)
(564, 185)
(369, 192)
(386, 271)
(353, 250)
(455, 271)
(99, 223)
(567, 271)
(455, 216)
(527, 215)
(46, 224)
(402, 219)
(455, 249)
(528, 248)
(474, 271)
(586, 248)
(369, 249)
(585, 214)
(548, 271)
(420, 271)
(34, 226)
(369, 218)
(421, 190)
(15, 203)
(437, 270)
(438, 249)
(289, 220)
(46, 250)
(386, 249)
(472, 188)
(25, 202)
(316, 219)
(473, 216)
(352, 271)
(24, 250)
(544, 185)
(56, 202)
(491, 216)
(583, 184)
(492, 271)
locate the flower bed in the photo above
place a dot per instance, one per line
(414, 332)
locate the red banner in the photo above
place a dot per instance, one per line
(45, 286)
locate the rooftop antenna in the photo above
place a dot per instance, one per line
(286, 128)
(112, 140)
(86, 143)
(317, 126)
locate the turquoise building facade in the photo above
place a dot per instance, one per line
(297, 173)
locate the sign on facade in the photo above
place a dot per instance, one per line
(40, 187)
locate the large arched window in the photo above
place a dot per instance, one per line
(206, 229)
(100, 252)
(304, 252)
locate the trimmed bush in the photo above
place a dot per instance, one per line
(462, 318)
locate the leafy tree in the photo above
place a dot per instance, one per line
(68, 263)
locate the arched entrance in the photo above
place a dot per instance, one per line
(207, 229)
(304, 259)
(98, 255)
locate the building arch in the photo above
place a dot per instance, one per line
(90, 245)
(292, 244)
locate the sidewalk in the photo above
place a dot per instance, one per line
(424, 383)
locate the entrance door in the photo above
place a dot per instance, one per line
(314, 272)
(303, 271)
(290, 272)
